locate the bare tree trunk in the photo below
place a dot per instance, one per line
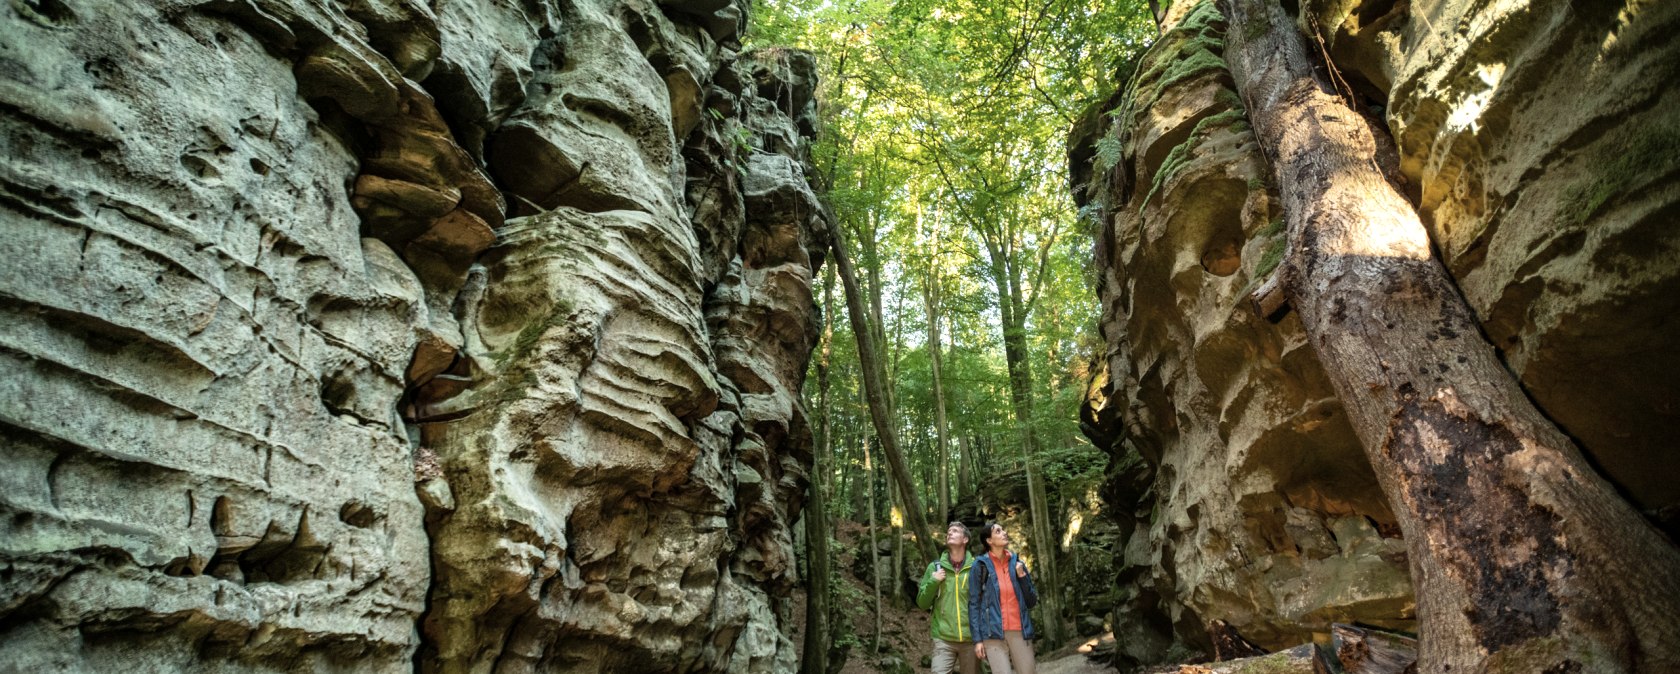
(876, 397)
(942, 446)
(897, 533)
(816, 508)
(874, 546)
(965, 465)
(1524, 558)
(848, 480)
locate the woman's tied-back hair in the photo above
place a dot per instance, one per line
(986, 533)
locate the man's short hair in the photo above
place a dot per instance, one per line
(964, 527)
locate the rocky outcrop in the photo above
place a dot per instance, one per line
(464, 336)
(1246, 496)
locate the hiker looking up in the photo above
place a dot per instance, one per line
(1000, 592)
(944, 589)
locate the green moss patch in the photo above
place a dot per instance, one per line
(1192, 48)
(1270, 259)
(1645, 156)
(1180, 154)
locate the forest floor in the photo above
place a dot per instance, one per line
(906, 645)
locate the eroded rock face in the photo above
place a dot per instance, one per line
(1252, 500)
(362, 337)
(1526, 142)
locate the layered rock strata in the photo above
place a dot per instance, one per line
(1532, 138)
(458, 336)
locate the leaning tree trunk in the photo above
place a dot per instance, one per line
(875, 394)
(816, 507)
(1523, 558)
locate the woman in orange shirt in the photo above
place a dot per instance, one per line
(1000, 592)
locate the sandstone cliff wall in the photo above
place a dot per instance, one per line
(1535, 139)
(382, 336)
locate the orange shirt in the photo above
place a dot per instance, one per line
(1006, 595)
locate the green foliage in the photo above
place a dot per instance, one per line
(1190, 49)
(1074, 469)
(1270, 259)
(1109, 150)
(1204, 19)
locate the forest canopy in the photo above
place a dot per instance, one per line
(942, 152)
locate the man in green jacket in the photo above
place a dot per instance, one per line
(945, 590)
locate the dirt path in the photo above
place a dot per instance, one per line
(1073, 664)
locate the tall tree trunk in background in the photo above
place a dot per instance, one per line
(943, 447)
(844, 492)
(874, 394)
(894, 525)
(965, 466)
(816, 508)
(1524, 559)
(874, 546)
(1014, 310)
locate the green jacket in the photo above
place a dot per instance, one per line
(948, 599)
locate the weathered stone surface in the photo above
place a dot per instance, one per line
(204, 465)
(1232, 458)
(288, 391)
(1534, 136)
(1542, 148)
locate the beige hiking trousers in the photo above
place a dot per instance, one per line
(1012, 654)
(954, 656)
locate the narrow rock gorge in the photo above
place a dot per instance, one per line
(392, 336)
(458, 336)
(1535, 139)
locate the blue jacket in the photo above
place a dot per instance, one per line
(984, 614)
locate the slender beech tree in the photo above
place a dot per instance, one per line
(1002, 241)
(965, 465)
(874, 545)
(930, 290)
(1524, 559)
(817, 592)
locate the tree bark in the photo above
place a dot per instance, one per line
(897, 540)
(931, 294)
(816, 509)
(874, 546)
(965, 465)
(876, 397)
(1523, 558)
